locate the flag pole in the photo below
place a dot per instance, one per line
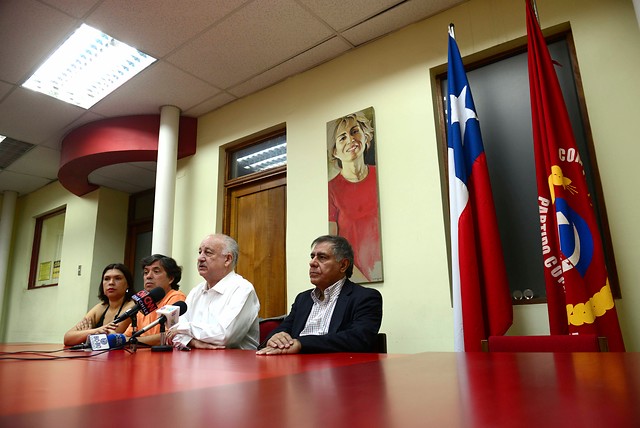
(480, 290)
(452, 32)
(535, 10)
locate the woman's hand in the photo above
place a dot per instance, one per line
(107, 329)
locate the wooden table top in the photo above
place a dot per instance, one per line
(233, 388)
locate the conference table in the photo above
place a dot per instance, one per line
(235, 388)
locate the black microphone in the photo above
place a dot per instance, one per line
(145, 301)
(167, 315)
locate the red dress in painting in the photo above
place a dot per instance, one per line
(354, 207)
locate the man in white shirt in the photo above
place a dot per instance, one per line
(222, 311)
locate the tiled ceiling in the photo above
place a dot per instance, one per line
(210, 53)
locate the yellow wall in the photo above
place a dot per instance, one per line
(45, 314)
(394, 75)
(110, 236)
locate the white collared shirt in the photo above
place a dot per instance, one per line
(225, 314)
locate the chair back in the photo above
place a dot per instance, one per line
(381, 343)
(553, 343)
(267, 325)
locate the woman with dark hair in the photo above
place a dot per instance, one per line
(115, 293)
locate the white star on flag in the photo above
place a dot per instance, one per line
(459, 111)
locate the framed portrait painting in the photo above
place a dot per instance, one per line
(354, 208)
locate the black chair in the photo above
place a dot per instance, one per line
(381, 343)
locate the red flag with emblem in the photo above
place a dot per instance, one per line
(578, 293)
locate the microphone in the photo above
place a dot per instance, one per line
(169, 315)
(145, 301)
(100, 342)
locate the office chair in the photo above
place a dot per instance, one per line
(381, 343)
(552, 343)
(268, 324)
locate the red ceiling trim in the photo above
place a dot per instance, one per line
(116, 140)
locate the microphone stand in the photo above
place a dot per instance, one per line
(163, 347)
(133, 342)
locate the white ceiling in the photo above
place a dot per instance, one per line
(210, 53)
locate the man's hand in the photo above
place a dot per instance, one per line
(193, 343)
(199, 344)
(282, 340)
(169, 335)
(281, 343)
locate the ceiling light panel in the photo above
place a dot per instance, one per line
(88, 67)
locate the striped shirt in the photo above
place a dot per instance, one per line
(322, 310)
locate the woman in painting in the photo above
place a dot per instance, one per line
(115, 293)
(353, 195)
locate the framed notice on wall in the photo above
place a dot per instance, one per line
(56, 270)
(46, 253)
(44, 271)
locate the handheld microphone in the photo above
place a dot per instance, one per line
(145, 301)
(97, 342)
(168, 315)
(100, 342)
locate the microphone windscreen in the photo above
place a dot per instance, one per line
(157, 294)
(182, 305)
(146, 300)
(116, 340)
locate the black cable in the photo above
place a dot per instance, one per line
(43, 357)
(31, 352)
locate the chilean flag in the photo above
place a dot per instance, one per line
(481, 297)
(579, 298)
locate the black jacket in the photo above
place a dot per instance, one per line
(354, 324)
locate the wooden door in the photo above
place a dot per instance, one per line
(139, 234)
(256, 218)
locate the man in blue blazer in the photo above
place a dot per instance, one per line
(337, 315)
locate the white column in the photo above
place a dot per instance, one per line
(6, 229)
(165, 181)
(636, 6)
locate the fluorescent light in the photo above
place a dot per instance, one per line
(277, 160)
(268, 158)
(271, 151)
(87, 67)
